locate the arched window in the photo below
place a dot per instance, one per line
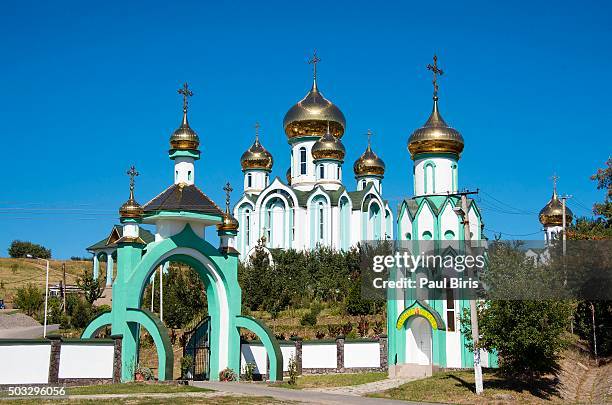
(454, 184)
(321, 171)
(321, 224)
(247, 219)
(448, 235)
(339, 173)
(189, 175)
(363, 184)
(267, 179)
(426, 235)
(249, 180)
(429, 178)
(302, 160)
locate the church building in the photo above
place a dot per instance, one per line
(313, 206)
(424, 329)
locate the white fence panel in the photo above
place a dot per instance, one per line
(25, 364)
(319, 355)
(361, 355)
(86, 361)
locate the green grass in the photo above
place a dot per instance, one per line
(334, 380)
(133, 388)
(457, 387)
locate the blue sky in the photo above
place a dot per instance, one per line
(87, 89)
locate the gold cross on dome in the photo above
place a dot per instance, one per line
(313, 61)
(369, 134)
(228, 189)
(185, 92)
(555, 178)
(132, 173)
(436, 71)
(257, 126)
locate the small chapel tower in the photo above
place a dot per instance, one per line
(435, 149)
(184, 144)
(256, 165)
(328, 156)
(369, 168)
(130, 214)
(551, 216)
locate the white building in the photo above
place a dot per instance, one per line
(313, 207)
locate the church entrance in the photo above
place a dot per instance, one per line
(418, 341)
(197, 346)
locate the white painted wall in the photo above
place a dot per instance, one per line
(86, 361)
(443, 174)
(288, 352)
(361, 354)
(251, 353)
(259, 181)
(319, 355)
(25, 364)
(184, 171)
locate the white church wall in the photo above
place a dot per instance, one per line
(303, 181)
(449, 224)
(184, 170)
(86, 361)
(25, 364)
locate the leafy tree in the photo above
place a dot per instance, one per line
(603, 177)
(92, 288)
(526, 328)
(29, 299)
(23, 249)
(81, 314)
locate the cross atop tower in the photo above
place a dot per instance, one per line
(555, 178)
(132, 173)
(369, 134)
(228, 189)
(186, 93)
(257, 126)
(313, 61)
(436, 71)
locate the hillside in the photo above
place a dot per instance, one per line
(15, 273)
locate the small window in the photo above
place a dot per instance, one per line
(363, 184)
(426, 235)
(450, 310)
(321, 172)
(302, 160)
(249, 180)
(339, 174)
(408, 236)
(321, 225)
(248, 228)
(189, 175)
(448, 235)
(267, 180)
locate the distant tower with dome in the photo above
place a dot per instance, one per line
(551, 216)
(312, 206)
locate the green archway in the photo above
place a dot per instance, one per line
(217, 270)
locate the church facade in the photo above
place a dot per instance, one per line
(312, 206)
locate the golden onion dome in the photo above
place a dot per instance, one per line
(130, 208)
(256, 157)
(435, 136)
(552, 213)
(328, 147)
(229, 223)
(311, 115)
(369, 164)
(184, 137)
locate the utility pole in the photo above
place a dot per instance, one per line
(64, 286)
(473, 310)
(564, 224)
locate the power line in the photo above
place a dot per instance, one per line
(512, 234)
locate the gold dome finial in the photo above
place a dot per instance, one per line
(256, 157)
(229, 223)
(131, 209)
(313, 61)
(552, 213)
(435, 136)
(369, 164)
(311, 115)
(184, 137)
(328, 147)
(436, 71)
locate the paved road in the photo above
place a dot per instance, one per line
(310, 397)
(31, 332)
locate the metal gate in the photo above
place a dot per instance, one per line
(198, 347)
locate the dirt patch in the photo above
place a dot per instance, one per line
(17, 320)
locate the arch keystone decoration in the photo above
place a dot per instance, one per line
(422, 309)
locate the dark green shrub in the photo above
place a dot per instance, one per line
(29, 299)
(23, 249)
